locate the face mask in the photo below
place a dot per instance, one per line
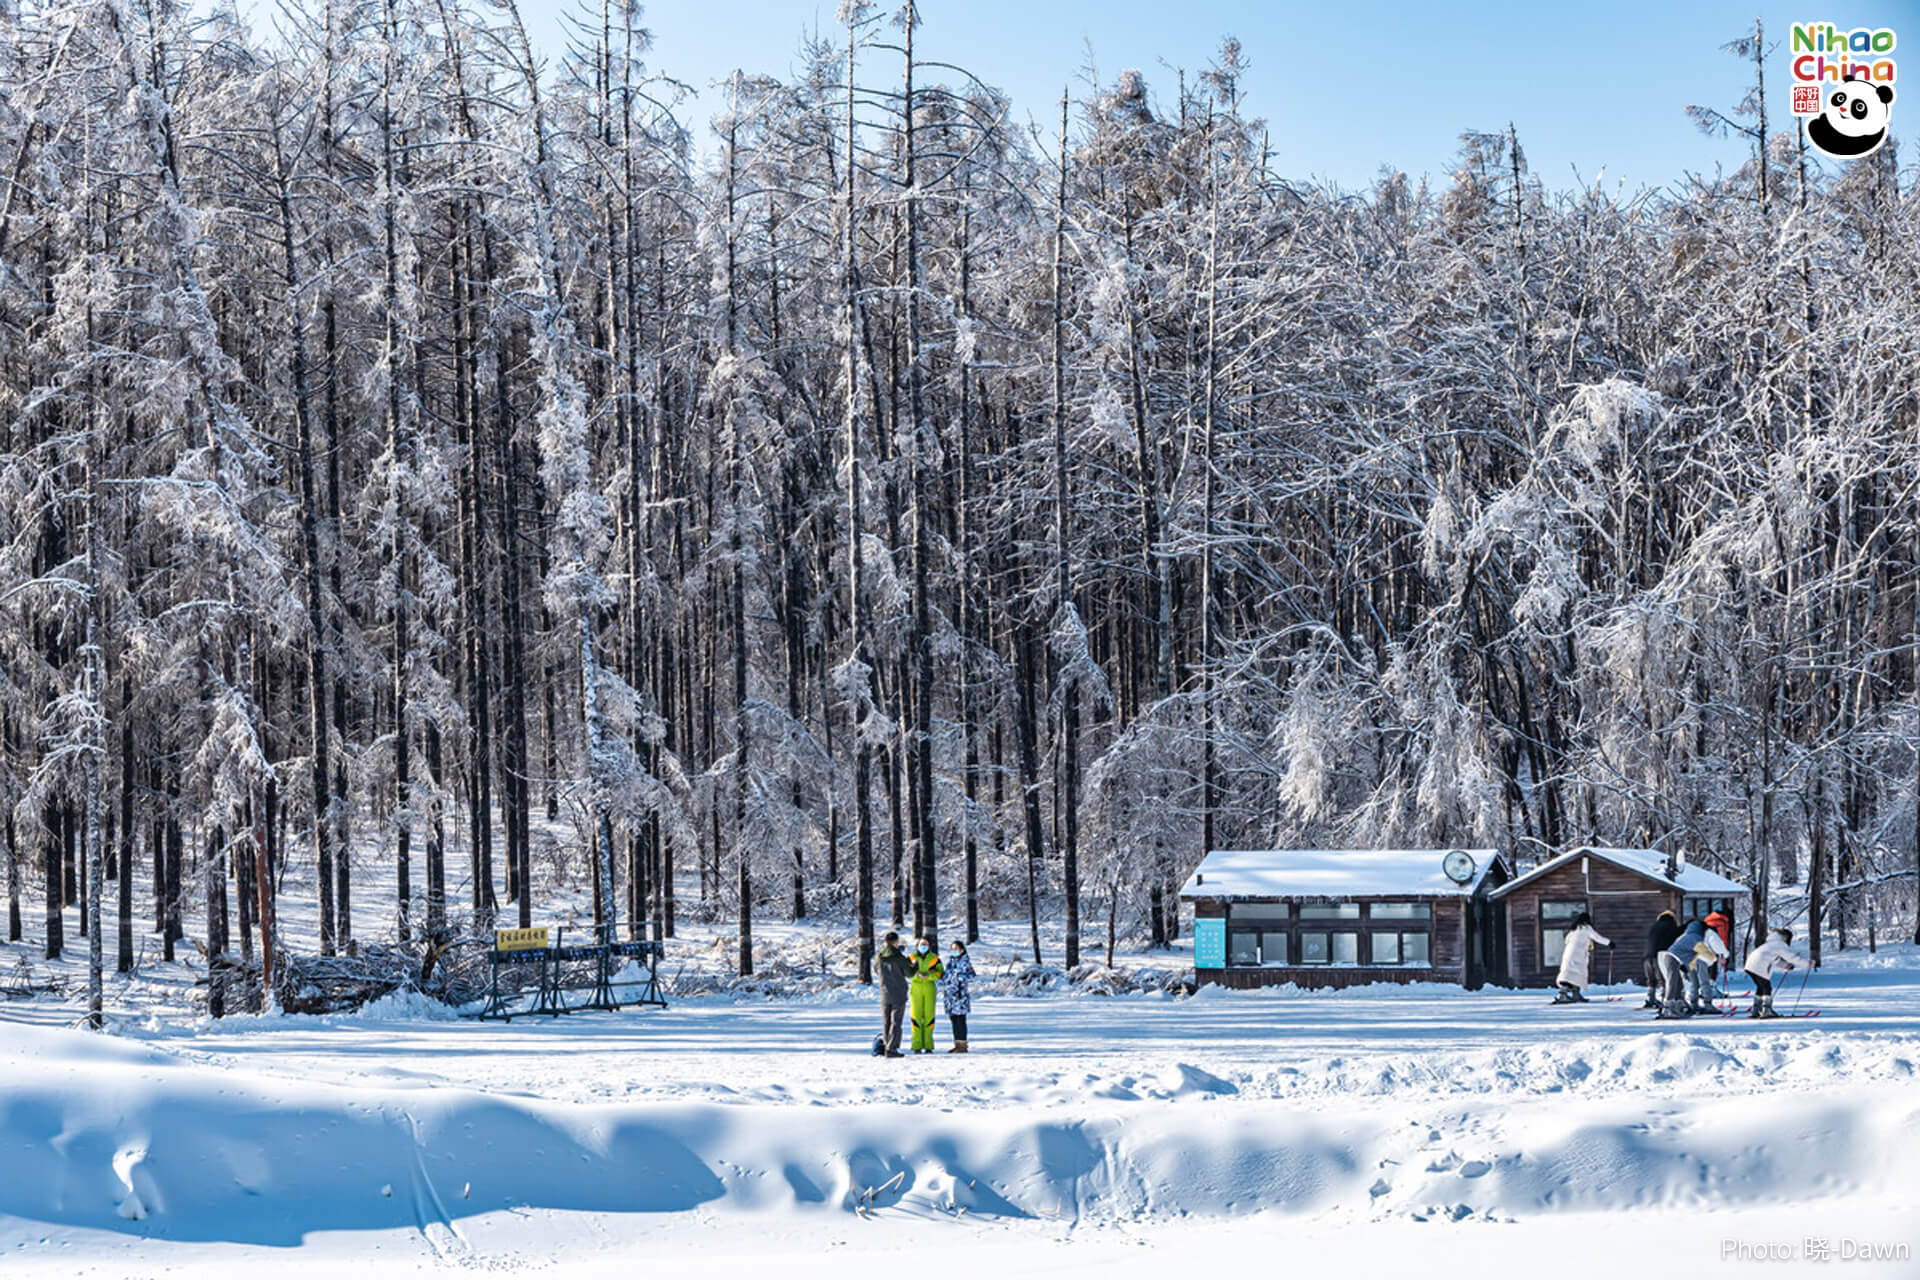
(921, 949)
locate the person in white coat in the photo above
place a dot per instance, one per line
(1708, 951)
(1775, 953)
(1573, 959)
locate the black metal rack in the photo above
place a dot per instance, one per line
(562, 970)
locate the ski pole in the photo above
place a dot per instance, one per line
(1802, 991)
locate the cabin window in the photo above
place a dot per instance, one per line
(1256, 933)
(1390, 947)
(1329, 911)
(1243, 949)
(1556, 922)
(1400, 911)
(1329, 948)
(1701, 908)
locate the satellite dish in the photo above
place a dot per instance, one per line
(1459, 866)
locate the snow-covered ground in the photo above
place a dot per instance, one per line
(1084, 1135)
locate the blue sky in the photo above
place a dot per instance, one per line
(1345, 87)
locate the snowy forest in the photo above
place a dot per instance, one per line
(853, 497)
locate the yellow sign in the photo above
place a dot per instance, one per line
(519, 939)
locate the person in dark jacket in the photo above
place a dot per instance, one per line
(895, 971)
(1665, 932)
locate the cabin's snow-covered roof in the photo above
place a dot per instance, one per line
(1648, 862)
(1331, 873)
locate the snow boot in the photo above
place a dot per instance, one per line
(959, 1046)
(1759, 1003)
(1766, 1007)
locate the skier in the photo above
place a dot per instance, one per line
(1674, 967)
(927, 971)
(1722, 924)
(1664, 933)
(959, 998)
(1775, 953)
(1708, 952)
(1573, 959)
(1683, 965)
(895, 968)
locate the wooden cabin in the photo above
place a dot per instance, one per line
(1346, 917)
(1623, 889)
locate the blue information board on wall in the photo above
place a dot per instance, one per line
(1209, 944)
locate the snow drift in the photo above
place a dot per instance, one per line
(105, 1135)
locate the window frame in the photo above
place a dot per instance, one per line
(1258, 921)
(1561, 925)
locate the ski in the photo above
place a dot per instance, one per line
(1735, 1011)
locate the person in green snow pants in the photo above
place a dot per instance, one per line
(927, 972)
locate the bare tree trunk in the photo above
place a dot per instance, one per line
(55, 917)
(860, 666)
(737, 579)
(124, 957)
(1025, 733)
(317, 744)
(15, 929)
(400, 451)
(1068, 785)
(1209, 797)
(969, 584)
(920, 644)
(96, 745)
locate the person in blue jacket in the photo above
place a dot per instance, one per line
(958, 996)
(1683, 967)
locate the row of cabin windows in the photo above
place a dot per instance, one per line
(1266, 934)
(1556, 922)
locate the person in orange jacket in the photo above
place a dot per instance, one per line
(1718, 921)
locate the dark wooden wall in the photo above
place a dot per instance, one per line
(1321, 976)
(1623, 905)
(1449, 944)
